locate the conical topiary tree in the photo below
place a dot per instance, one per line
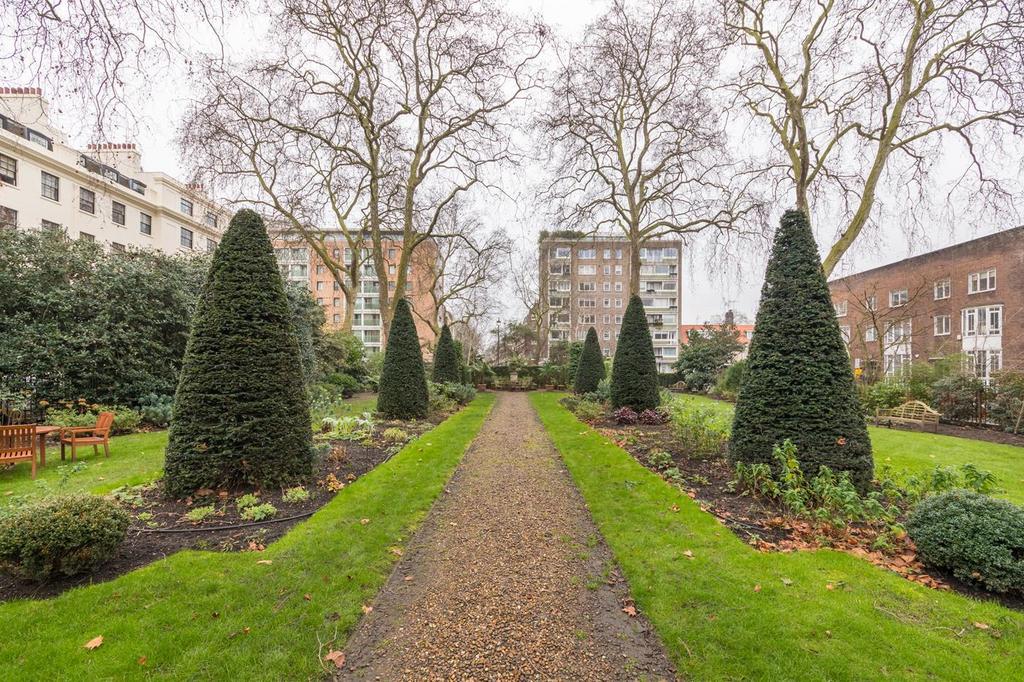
(241, 413)
(403, 383)
(798, 383)
(590, 370)
(634, 370)
(446, 359)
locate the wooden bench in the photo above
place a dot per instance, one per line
(17, 444)
(910, 412)
(88, 435)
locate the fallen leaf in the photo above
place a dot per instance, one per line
(787, 582)
(396, 551)
(307, 596)
(980, 626)
(142, 660)
(688, 554)
(629, 610)
(364, 521)
(675, 507)
(367, 609)
(830, 586)
(265, 562)
(245, 630)
(335, 657)
(757, 588)
(97, 642)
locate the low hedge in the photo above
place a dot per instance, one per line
(61, 536)
(977, 537)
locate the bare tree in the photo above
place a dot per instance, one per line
(637, 142)
(529, 286)
(426, 85)
(861, 96)
(94, 52)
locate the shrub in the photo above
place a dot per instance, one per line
(959, 396)
(125, 420)
(589, 411)
(295, 495)
(590, 371)
(730, 381)
(979, 538)
(259, 512)
(652, 417)
(701, 431)
(403, 384)
(447, 368)
(241, 412)
(635, 371)
(353, 428)
(156, 410)
(1007, 401)
(705, 354)
(61, 536)
(247, 500)
(395, 435)
(798, 383)
(346, 384)
(625, 416)
(198, 514)
(884, 395)
(439, 403)
(457, 393)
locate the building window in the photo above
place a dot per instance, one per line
(587, 254)
(898, 297)
(587, 286)
(942, 289)
(86, 237)
(979, 282)
(895, 363)
(186, 238)
(984, 363)
(618, 303)
(985, 321)
(50, 186)
(870, 303)
(841, 308)
(117, 212)
(211, 219)
(186, 206)
(941, 325)
(618, 319)
(211, 245)
(118, 248)
(562, 252)
(391, 254)
(145, 223)
(50, 227)
(87, 200)
(607, 303)
(588, 270)
(587, 319)
(870, 334)
(898, 332)
(845, 331)
(8, 217)
(607, 254)
(606, 286)
(618, 269)
(8, 170)
(607, 335)
(586, 303)
(618, 286)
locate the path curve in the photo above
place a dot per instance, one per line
(508, 578)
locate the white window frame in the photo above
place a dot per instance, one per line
(842, 307)
(870, 334)
(941, 325)
(943, 289)
(898, 298)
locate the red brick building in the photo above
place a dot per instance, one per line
(964, 299)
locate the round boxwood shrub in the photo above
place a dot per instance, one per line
(798, 384)
(977, 537)
(447, 368)
(403, 383)
(590, 370)
(61, 536)
(634, 370)
(241, 411)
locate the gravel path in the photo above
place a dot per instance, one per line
(507, 579)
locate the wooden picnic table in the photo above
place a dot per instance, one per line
(42, 431)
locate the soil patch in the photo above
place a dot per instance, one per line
(765, 524)
(508, 578)
(160, 528)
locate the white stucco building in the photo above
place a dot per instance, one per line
(100, 193)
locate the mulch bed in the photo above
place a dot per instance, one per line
(147, 540)
(764, 524)
(990, 435)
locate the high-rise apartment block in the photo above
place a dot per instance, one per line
(584, 282)
(100, 194)
(300, 263)
(966, 299)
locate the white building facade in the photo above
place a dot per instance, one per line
(100, 194)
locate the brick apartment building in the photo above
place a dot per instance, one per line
(299, 263)
(584, 282)
(964, 299)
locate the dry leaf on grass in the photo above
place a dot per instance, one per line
(757, 588)
(367, 609)
(94, 643)
(335, 657)
(265, 562)
(629, 610)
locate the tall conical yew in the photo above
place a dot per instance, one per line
(241, 413)
(634, 370)
(403, 383)
(798, 383)
(590, 370)
(446, 359)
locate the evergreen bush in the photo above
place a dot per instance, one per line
(403, 383)
(634, 370)
(590, 370)
(798, 384)
(241, 412)
(446, 360)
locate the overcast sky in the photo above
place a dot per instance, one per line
(708, 288)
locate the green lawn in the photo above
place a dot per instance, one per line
(134, 459)
(244, 616)
(731, 612)
(912, 451)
